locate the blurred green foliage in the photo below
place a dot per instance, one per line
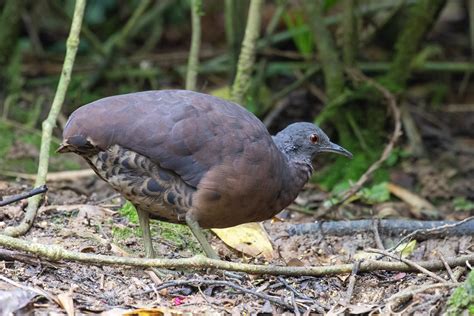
(461, 301)
(154, 54)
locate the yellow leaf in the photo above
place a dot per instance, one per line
(406, 249)
(250, 238)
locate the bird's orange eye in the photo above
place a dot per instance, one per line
(314, 138)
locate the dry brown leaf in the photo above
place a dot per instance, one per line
(295, 262)
(249, 238)
(66, 302)
(416, 202)
(158, 311)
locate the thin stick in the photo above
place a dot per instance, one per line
(430, 231)
(397, 131)
(403, 296)
(448, 268)
(193, 61)
(55, 253)
(25, 195)
(197, 282)
(48, 125)
(375, 229)
(409, 262)
(352, 281)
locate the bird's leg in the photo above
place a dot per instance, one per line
(197, 232)
(144, 219)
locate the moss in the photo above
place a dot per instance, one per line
(128, 210)
(123, 233)
(178, 235)
(462, 298)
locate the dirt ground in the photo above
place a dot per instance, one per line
(82, 215)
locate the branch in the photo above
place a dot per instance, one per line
(247, 52)
(389, 227)
(55, 253)
(50, 122)
(25, 195)
(193, 62)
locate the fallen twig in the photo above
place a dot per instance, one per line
(389, 227)
(442, 229)
(402, 297)
(352, 281)
(314, 305)
(10, 255)
(55, 253)
(197, 282)
(25, 195)
(409, 262)
(375, 230)
(448, 268)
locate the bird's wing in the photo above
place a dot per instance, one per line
(183, 131)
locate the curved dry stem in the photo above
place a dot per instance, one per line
(50, 122)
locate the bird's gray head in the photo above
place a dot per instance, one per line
(303, 141)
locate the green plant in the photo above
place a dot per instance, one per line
(462, 298)
(304, 41)
(461, 204)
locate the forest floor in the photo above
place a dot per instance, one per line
(84, 215)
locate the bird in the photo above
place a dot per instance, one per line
(186, 157)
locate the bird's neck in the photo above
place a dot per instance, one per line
(300, 170)
(297, 172)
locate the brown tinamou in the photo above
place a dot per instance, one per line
(186, 157)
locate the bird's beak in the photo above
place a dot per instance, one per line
(335, 148)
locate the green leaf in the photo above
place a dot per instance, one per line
(462, 298)
(461, 204)
(376, 194)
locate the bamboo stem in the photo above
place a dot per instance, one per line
(330, 63)
(247, 53)
(50, 122)
(193, 61)
(350, 34)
